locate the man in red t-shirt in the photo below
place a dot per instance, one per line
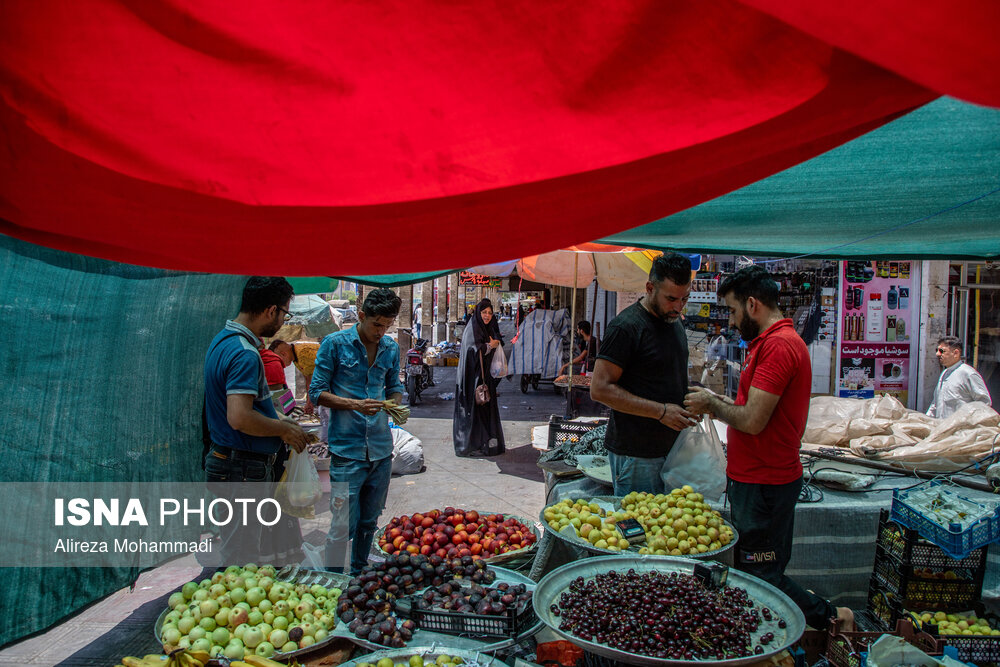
(766, 422)
(276, 357)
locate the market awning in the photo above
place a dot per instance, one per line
(926, 185)
(397, 136)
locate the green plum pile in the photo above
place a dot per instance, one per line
(417, 661)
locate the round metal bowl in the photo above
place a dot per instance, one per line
(493, 560)
(555, 583)
(294, 575)
(584, 545)
(429, 654)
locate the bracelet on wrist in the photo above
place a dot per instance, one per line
(662, 414)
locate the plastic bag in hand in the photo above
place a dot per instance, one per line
(498, 367)
(301, 480)
(697, 459)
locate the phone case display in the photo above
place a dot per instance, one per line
(703, 311)
(875, 349)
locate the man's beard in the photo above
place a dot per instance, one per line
(748, 328)
(654, 307)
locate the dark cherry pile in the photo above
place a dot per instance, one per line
(366, 606)
(476, 599)
(670, 616)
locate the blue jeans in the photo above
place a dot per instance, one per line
(237, 543)
(632, 473)
(366, 484)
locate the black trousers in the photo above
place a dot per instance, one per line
(764, 515)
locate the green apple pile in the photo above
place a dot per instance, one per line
(244, 611)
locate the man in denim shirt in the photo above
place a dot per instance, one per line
(356, 370)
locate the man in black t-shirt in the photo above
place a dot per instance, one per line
(641, 374)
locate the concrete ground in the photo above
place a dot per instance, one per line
(122, 623)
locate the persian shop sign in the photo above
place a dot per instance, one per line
(478, 279)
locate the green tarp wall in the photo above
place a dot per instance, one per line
(102, 367)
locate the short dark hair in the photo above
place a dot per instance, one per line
(262, 292)
(276, 343)
(752, 281)
(381, 302)
(584, 326)
(954, 342)
(671, 266)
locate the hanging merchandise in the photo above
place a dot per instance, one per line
(876, 355)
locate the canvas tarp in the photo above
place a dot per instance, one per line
(884, 429)
(184, 134)
(856, 200)
(103, 382)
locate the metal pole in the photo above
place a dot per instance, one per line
(572, 335)
(877, 465)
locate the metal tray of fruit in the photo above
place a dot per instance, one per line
(493, 560)
(555, 583)
(429, 638)
(295, 575)
(586, 546)
(429, 655)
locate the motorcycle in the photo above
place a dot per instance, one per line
(419, 375)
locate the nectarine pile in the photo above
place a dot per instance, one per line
(455, 533)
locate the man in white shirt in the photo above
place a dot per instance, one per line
(959, 383)
(417, 317)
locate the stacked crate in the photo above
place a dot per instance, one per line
(911, 574)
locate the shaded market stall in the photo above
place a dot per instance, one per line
(207, 131)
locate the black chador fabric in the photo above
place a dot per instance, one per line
(477, 430)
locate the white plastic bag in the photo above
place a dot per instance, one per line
(697, 459)
(498, 367)
(302, 481)
(407, 453)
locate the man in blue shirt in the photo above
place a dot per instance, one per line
(245, 429)
(356, 370)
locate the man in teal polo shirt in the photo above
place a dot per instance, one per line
(246, 431)
(356, 370)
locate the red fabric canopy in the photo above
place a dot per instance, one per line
(390, 137)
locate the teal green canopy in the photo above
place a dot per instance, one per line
(317, 285)
(397, 279)
(924, 186)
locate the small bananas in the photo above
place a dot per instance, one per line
(151, 660)
(261, 661)
(189, 658)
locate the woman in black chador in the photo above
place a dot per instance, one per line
(477, 428)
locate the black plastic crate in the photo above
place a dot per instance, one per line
(971, 648)
(562, 430)
(914, 590)
(906, 546)
(978, 650)
(510, 624)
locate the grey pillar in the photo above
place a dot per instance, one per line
(427, 310)
(453, 304)
(405, 319)
(441, 312)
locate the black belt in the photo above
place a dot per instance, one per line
(236, 454)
